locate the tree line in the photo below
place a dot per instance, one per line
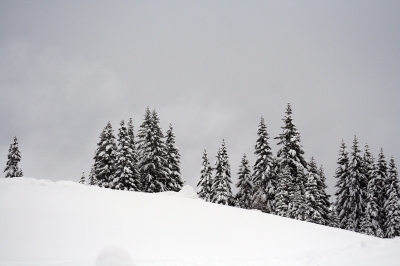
(368, 194)
(368, 191)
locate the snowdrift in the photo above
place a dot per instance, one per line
(65, 223)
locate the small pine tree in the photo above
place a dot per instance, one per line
(82, 181)
(92, 177)
(204, 185)
(105, 158)
(325, 202)
(14, 157)
(221, 188)
(243, 198)
(263, 180)
(392, 204)
(175, 181)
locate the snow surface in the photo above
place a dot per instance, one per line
(66, 223)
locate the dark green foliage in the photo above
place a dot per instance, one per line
(221, 188)
(105, 158)
(14, 157)
(175, 181)
(263, 179)
(243, 198)
(204, 185)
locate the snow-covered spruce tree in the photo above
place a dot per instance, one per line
(82, 181)
(291, 154)
(153, 165)
(342, 193)
(353, 200)
(284, 192)
(105, 157)
(314, 199)
(205, 183)
(262, 178)
(392, 203)
(325, 202)
(14, 157)
(370, 222)
(381, 175)
(243, 198)
(126, 175)
(173, 158)
(134, 157)
(221, 188)
(92, 177)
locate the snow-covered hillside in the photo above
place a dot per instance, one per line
(65, 223)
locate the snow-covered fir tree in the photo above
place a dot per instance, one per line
(243, 198)
(221, 188)
(134, 157)
(314, 198)
(325, 202)
(175, 181)
(370, 222)
(291, 154)
(126, 174)
(92, 177)
(205, 183)
(153, 165)
(392, 203)
(82, 181)
(284, 192)
(381, 175)
(342, 176)
(14, 157)
(354, 196)
(105, 157)
(262, 178)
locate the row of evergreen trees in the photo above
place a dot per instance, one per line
(150, 164)
(289, 186)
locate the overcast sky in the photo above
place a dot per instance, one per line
(211, 68)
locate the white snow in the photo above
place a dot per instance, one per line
(66, 223)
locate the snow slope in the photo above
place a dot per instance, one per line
(65, 223)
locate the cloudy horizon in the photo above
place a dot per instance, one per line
(211, 68)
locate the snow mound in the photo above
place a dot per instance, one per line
(185, 192)
(66, 224)
(114, 256)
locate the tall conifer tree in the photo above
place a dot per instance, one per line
(126, 175)
(153, 165)
(134, 157)
(14, 157)
(175, 180)
(221, 188)
(380, 179)
(392, 202)
(291, 154)
(354, 201)
(204, 186)
(342, 176)
(105, 157)
(243, 198)
(263, 180)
